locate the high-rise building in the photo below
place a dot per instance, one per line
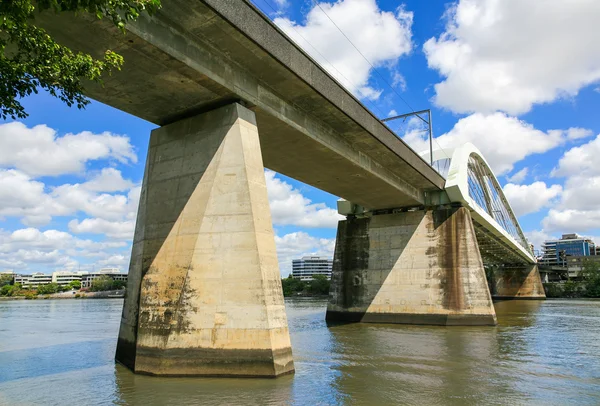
(306, 267)
(555, 252)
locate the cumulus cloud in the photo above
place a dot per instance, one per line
(509, 55)
(518, 177)
(108, 180)
(112, 229)
(38, 151)
(525, 199)
(299, 244)
(578, 208)
(365, 25)
(503, 140)
(581, 161)
(290, 207)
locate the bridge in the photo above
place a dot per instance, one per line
(232, 95)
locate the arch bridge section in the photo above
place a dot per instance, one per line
(441, 263)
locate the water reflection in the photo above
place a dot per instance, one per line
(540, 353)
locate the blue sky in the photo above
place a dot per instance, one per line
(518, 80)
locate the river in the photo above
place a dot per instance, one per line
(60, 352)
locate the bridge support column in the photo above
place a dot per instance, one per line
(418, 267)
(204, 294)
(517, 283)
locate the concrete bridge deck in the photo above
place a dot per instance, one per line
(194, 56)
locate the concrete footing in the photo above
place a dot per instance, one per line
(204, 293)
(418, 267)
(517, 283)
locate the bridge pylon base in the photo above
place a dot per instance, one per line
(204, 294)
(517, 283)
(416, 267)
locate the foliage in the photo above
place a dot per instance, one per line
(294, 287)
(31, 59)
(48, 288)
(118, 285)
(74, 285)
(102, 283)
(7, 290)
(6, 280)
(319, 285)
(588, 284)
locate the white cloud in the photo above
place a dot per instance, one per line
(20, 196)
(112, 229)
(289, 207)
(519, 176)
(38, 151)
(576, 133)
(119, 261)
(108, 180)
(581, 161)
(578, 210)
(503, 140)
(525, 199)
(571, 220)
(299, 244)
(508, 55)
(381, 36)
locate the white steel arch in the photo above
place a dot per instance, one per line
(471, 182)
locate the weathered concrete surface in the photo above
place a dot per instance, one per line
(517, 283)
(419, 267)
(204, 294)
(195, 55)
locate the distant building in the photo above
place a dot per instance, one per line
(556, 252)
(33, 280)
(65, 277)
(114, 273)
(306, 267)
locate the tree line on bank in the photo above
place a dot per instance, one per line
(100, 284)
(587, 285)
(318, 286)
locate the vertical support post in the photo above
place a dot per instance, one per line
(430, 137)
(204, 294)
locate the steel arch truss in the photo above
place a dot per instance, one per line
(471, 182)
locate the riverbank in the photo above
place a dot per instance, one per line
(108, 294)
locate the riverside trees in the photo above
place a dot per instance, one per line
(30, 59)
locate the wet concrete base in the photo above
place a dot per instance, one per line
(523, 283)
(417, 267)
(412, 318)
(214, 362)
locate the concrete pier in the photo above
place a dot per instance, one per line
(517, 283)
(417, 267)
(204, 295)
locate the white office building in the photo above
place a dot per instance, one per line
(65, 277)
(33, 280)
(306, 267)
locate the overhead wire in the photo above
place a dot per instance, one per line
(375, 69)
(352, 85)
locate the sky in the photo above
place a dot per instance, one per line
(519, 79)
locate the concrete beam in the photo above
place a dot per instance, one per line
(195, 55)
(204, 293)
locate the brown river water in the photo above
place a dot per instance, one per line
(60, 352)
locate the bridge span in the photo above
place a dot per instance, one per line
(232, 94)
